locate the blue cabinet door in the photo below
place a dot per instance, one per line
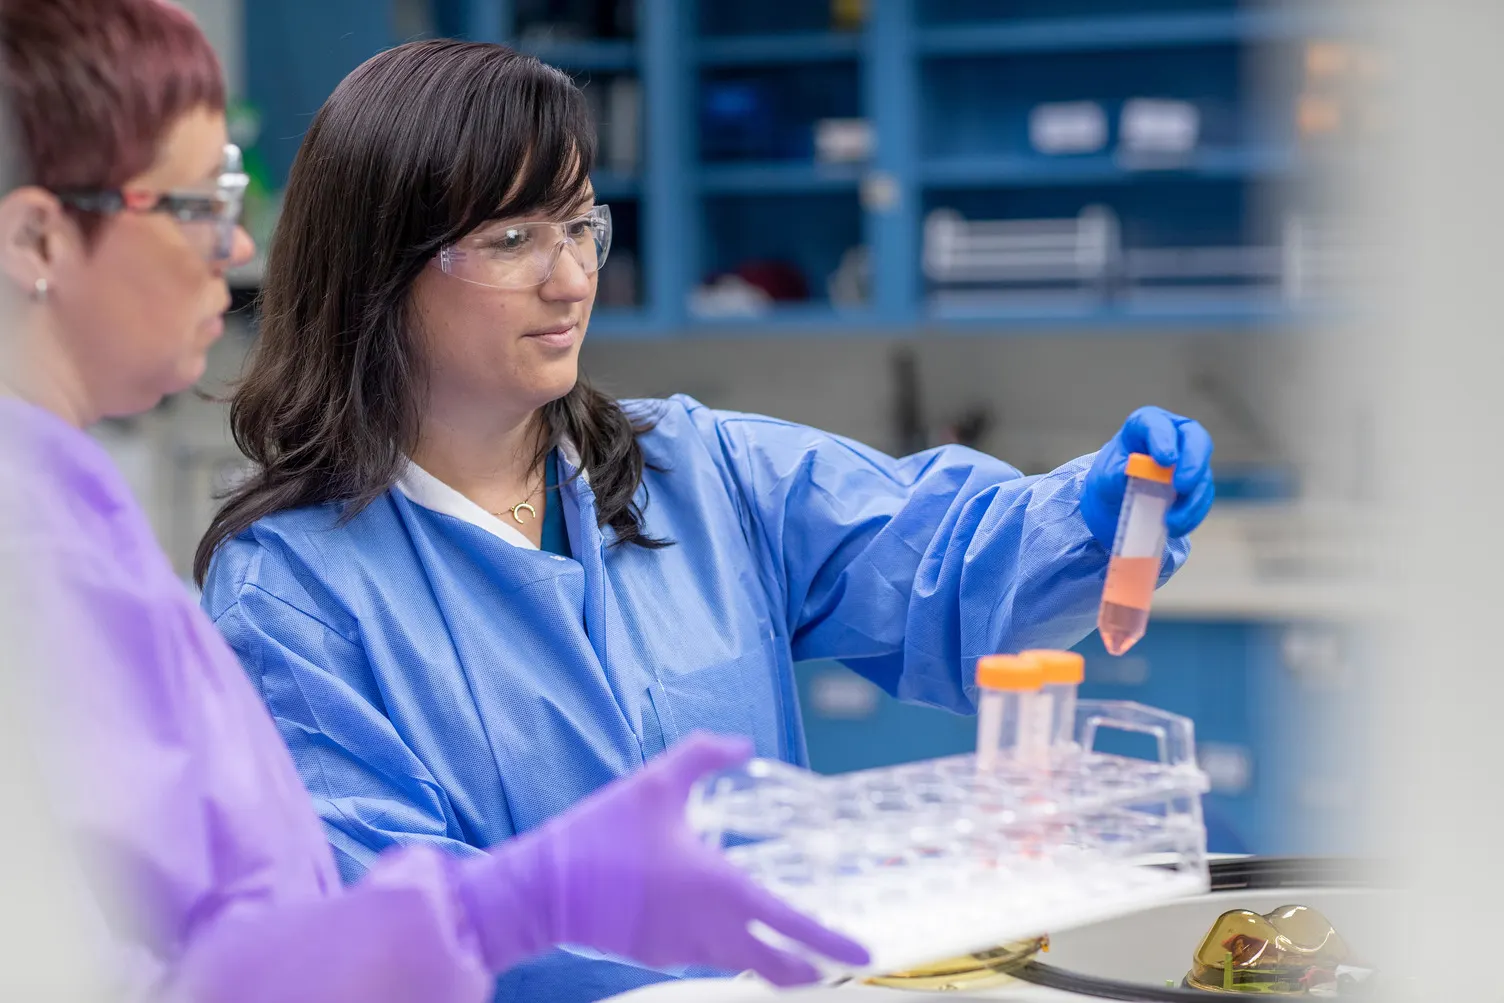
(1200, 670)
(850, 724)
(296, 54)
(1311, 711)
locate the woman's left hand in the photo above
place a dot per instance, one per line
(1172, 441)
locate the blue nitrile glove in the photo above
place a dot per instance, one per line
(1172, 441)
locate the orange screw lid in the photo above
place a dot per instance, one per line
(1143, 466)
(1059, 667)
(1009, 672)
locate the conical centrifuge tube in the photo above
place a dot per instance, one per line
(1012, 718)
(1063, 673)
(1137, 554)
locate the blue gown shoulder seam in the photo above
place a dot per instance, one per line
(253, 587)
(747, 418)
(725, 419)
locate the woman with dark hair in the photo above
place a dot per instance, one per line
(472, 589)
(214, 881)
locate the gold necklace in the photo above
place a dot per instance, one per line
(519, 508)
(525, 505)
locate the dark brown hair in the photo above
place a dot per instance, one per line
(91, 87)
(416, 148)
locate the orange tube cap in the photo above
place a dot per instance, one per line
(1059, 667)
(1143, 467)
(1009, 672)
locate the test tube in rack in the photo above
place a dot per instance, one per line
(1063, 673)
(1012, 718)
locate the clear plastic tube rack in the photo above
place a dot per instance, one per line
(932, 859)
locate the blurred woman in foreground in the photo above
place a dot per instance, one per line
(114, 247)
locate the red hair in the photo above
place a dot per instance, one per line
(92, 86)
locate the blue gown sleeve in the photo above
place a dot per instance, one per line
(371, 791)
(909, 570)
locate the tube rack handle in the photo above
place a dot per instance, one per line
(1175, 735)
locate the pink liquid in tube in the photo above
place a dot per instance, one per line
(1137, 555)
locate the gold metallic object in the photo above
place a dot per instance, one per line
(1286, 952)
(519, 508)
(848, 15)
(978, 970)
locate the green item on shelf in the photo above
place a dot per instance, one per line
(263, 199)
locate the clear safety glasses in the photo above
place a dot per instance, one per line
(208, 214)
(524, 255)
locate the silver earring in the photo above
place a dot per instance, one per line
(39, 291)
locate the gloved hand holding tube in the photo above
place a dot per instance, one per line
(1153, 481)
(622, 872)
(1172, 441)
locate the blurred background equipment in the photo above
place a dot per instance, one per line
(1063, 127)
(982, 265)
(924, 221)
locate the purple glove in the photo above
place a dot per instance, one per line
(622, 873)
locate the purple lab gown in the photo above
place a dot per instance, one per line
(174, 779)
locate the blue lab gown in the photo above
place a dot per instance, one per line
(438, 685)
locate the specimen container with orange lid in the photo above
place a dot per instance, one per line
(1063, 673)
(1137, 554)
(1012, 722)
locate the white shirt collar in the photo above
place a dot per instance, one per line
(571, 457)
(423, 488)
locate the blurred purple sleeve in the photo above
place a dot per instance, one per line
(197, 838)
(400, 935)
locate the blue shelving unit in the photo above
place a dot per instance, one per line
(1126, 319)
(1155, 31)
(1015, 170)
(777, 179)
(731, 91)
(611, 186)
(780, 49)
(606, 56)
